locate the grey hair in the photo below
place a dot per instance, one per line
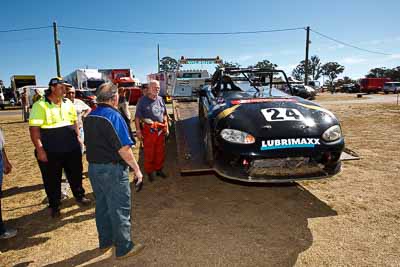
(106, 92)
(154, 81)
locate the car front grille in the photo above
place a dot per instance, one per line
(284, 167)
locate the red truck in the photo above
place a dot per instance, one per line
(124, 78)
(372, 85)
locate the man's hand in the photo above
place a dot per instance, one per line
(80, 141)
(41, 155)
(139, 135)
(139, 176)
(7, 167)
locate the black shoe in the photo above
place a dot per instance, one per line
(151, 177)
(84, 201)
(161, 174)
(138, 185)
(55, 212)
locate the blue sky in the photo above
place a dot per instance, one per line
(369, 24)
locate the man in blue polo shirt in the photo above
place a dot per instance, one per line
(108, 151)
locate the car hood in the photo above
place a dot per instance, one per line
(275, 118)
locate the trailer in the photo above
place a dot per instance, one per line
(18, 81)
(184, 94)
(372, 85)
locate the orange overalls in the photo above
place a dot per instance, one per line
(154, 145)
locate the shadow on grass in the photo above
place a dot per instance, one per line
(18, 190)
(40, 222)
(78, 259)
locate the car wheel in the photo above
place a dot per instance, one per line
(334, 169)
(386, 92)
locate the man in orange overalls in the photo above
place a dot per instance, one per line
(152, 127)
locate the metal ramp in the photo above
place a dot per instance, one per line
(349, 154)
(190, 148)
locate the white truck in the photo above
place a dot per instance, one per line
(85, 79)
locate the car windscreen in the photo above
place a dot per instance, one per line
(392, 84)
(94, 84)
(127, 84)
(264, 90)
(259, 84)
(191, 75)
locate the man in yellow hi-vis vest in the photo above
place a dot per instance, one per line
(55, 135)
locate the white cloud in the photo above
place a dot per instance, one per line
(352, 60)
(244, 57)
(394, 56)
(289, 52)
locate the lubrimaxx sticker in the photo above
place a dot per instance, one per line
(289, 143)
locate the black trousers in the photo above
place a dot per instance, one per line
(51, 171)
(2, 228)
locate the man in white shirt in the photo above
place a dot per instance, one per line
(82, 109)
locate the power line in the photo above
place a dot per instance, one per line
(25, 29)
(179, 33)
(197, 33)
(349, 45)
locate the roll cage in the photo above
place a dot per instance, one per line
(223, 77)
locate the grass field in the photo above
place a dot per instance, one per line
(351, 219)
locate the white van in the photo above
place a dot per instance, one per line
(393, 87)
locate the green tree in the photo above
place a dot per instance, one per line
(230, 64)
(332, 70)
(315, 69)
(299, 72)
(264, 64)
(377, 73)
(394, 74)
(168, 64)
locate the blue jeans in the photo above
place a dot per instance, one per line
(110, 183)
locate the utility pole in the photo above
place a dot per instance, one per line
(158, 57)
(56, 44)
(306, 65)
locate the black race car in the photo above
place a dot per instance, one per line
(255, 132)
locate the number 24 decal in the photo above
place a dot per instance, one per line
(282, 114)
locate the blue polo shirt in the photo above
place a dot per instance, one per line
(106, 133)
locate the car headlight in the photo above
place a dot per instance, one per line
(237, 137)
(332, 134)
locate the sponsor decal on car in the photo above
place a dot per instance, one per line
(289, 143)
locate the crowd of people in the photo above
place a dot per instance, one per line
(62, 129)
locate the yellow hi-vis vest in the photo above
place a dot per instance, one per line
(48, 115)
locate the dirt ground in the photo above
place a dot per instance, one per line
(351, 219)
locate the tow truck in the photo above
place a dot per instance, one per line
(262, 160)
